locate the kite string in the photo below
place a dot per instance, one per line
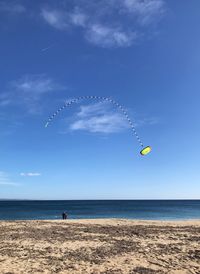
(76, 100)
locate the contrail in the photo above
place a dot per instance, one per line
(45, 49)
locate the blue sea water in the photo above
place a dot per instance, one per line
(79, 209)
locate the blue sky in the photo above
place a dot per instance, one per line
(143, 54)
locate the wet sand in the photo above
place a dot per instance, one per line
(99, 246)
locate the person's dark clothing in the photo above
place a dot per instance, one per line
(64, 215)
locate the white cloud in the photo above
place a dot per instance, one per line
(4, 100)
(102, 118)
(99, 118)
(150, 121)
(30, 174)
(56, 18)
(5, 180)
(34, 85)
(88, 110)
(28, 91)
(78, 18)
(114, 23)
(146, 10)
(12, 7)
(109, 37)
(103, 124)
(62, 20)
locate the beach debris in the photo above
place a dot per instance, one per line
(144, 150)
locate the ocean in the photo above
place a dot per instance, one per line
(81, 209)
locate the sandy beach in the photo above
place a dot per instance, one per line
(99, 246)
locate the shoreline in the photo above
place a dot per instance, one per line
(156, 221)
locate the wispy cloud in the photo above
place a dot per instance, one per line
(102, 118)
(11, 7)
(150, 121)
(93, 109)
(5, 180)
(4, 99)
(78, 18)
(62, 20)
(56, 18)
(8, 127)
(109, 37)
(30, 174)
(146, 10)
(109, 123)
(34, 85)
(116, 23)
(99, 118)
(28, 91)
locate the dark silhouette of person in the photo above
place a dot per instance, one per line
(64, 215)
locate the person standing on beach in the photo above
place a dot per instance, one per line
(64, 215)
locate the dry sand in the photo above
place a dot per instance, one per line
(99, 246)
